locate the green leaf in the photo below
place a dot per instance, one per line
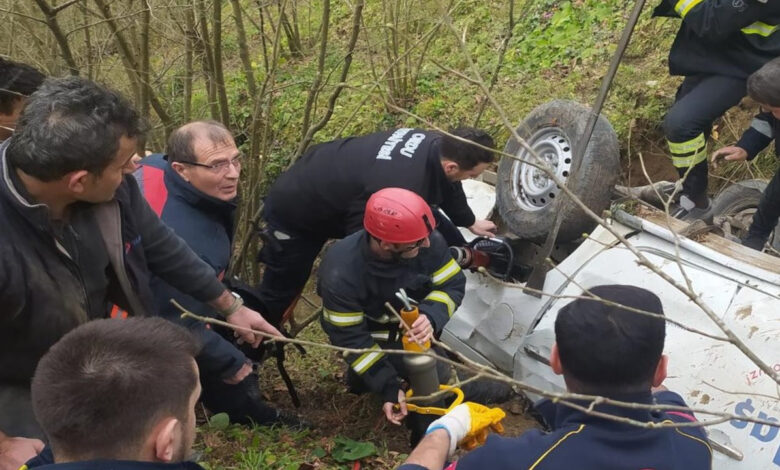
(219, 421)
(347, 450)
(319, 452)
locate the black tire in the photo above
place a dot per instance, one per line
(738, 197)
(553, 130)
(742, 197)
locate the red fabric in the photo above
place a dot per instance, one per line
(154, 188)
(682, 415)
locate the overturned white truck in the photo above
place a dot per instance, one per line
(505, 325)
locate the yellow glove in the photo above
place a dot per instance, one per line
(468, 424)
(483, 419)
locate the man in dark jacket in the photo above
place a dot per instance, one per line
(193, 188)
(601, 349)
(718, 45)
(17, 82)
(118, 394)
(77, 235)
(324, 193)
(397, 249)
(764, 87)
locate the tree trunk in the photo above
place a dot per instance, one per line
(208, 60)
(190, 37)
(131, 63)
(243, 50)
(310, 131)
(50, 13)
(219, 75)
(144, 75)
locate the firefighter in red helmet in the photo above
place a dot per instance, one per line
(398, 248)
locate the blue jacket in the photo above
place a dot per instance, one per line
(585, 442)
(206, 225)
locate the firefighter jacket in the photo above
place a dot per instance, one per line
(586, 442)
(325, 192)
(205, 223)
(722, 37)
(55, 277)
(354, 286)
(764, 128)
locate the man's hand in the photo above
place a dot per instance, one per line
(242, 373)
(422, 330)
(732, 153)
(248, 318)
(483, 228)
(15, 451)
(393, 415)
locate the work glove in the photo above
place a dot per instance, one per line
(468, 424)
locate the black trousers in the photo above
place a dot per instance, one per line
(699, 101)
(768, 213)
(288, 259)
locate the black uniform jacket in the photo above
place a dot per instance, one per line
(325, 192)
(733, 38)
(354, 285)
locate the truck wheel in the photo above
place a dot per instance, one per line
(736, 205)
(528, 199)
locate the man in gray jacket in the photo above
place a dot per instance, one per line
(77, 237)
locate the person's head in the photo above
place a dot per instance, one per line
(17, 82)
(399, 223)
(205, 154)
(602, 348)
(77, 137)
(119, 390)
(462, 160)
(764, 86)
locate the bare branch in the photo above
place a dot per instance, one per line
(65, 5)
(488, 372)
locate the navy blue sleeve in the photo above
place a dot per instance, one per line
(758, 136)
(218, 355)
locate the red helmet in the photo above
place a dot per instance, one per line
(398, 215)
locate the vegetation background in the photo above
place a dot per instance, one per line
(284, 74)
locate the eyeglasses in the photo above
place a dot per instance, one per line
(220, 167)
(416, 245)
